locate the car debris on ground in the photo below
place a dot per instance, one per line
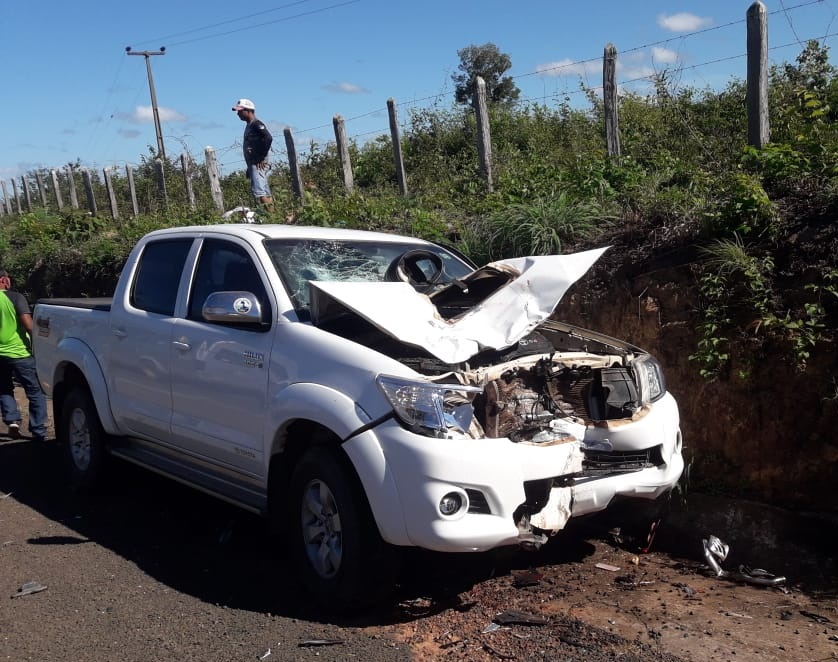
(27, 588)
(716, 551)
(311, 643)
(517, 617)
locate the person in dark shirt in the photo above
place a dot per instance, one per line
(256, 147)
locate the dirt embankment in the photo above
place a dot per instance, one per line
(764, 429)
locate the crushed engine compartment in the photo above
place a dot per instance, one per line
(548, 400)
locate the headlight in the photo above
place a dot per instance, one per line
(427, 408)
(649, 375)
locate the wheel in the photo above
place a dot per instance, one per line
(420, 268)
(341, 558)
(82, 439)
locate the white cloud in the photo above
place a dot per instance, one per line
(683, 22)
(635, 72)
(663, 55)
(568, 67)
(633, 66)
(145, 115)
(346, 88)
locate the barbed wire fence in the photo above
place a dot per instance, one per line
(181, 179)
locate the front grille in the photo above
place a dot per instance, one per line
(599, 463)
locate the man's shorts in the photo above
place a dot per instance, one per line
(258, 182)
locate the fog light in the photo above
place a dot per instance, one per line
(450, 503)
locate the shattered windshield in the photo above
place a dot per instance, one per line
(299, 261)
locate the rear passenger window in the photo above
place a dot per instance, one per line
(158, 275)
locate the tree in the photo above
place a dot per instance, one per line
(813, 70)
(490, 64)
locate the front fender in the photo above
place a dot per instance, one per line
(77, 353)
(320, 404)
(343, 416)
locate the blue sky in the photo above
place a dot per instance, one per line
(71, 92)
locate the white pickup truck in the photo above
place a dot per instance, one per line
(363, 390)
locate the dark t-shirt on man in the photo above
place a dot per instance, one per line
(256, 143)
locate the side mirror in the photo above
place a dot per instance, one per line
(238, 307)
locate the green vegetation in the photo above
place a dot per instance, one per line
(490, 64)
(686, 178)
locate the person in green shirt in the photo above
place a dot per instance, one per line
(17, 362)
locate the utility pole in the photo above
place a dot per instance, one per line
(147, 55)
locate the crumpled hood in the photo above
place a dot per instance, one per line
(532, 290)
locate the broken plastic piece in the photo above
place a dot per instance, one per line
(310, 643)
(516, 617)
(607, 566)
(29, 588)
(491, 628)
(531, 541)
(265, 655)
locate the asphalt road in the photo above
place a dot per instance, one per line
(147, 570)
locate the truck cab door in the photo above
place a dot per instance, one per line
(220, 370)
(141, 326)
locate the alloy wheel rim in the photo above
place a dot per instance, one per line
(322, 532)
(79, 436)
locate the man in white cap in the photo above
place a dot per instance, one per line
(256, 146)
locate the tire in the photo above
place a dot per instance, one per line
(336, 548)
(82, 440)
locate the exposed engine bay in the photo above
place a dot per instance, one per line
(544, 399)
(498, 367)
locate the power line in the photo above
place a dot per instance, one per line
(104, 105)
(790, 22)
(415, 101)
(220, 23)
(680, 37)
(633, 49)
(278, 20)
(687, 68)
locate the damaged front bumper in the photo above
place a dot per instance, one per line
(638, 470)
(464, 494)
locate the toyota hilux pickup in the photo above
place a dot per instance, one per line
(364, 391)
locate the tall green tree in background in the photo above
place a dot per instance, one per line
(490, 64)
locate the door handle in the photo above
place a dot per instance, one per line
(183, 346)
